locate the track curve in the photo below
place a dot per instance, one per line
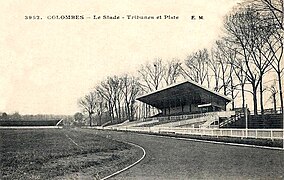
(169, 158)
(131, 165)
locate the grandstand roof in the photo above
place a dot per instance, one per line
(183, 92)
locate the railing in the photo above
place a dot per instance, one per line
(268, 111)
(242, 133)
(230, 120)
(192, 116)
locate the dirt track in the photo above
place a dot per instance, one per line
(168, 158)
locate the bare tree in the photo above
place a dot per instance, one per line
(274, 7)
(272, 12)
(106, 92)
(88, 104)
(172, 71)
(152, 75)
(151, 78)
(223, 58)
(197, 66)
(215, 69)
(273, 91)
(119, 93)
(276, 49)
(130, 91)
(227, 58)
(240, 73)
(247, 30)
(116, 84)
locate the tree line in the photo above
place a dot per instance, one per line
(249, 50)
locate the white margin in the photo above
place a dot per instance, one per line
(128, 167)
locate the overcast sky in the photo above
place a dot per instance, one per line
(46, 65)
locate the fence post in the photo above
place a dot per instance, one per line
(246, 116)
(282, 114)
(256, 134)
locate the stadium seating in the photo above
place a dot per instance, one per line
(272, 121)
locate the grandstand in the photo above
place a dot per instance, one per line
(185, 104)
(188, 105)
(188, 108)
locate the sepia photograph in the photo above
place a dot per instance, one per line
(142, 90)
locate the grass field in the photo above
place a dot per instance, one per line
(61, 154)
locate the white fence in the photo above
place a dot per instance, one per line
(242, 133)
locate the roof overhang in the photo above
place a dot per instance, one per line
(179, 93)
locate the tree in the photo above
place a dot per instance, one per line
(240, 72)
(215, 69)
(172, 70)
(222, 64)
(226, 57)
(197, 66)
(273, 7)
(106, 92)
(272, 10)
(247, 30)
(79, 117)
(273, 91)
(101, 108)
(130, 91)
(16, 116)
(151, 79)
(88, 104)
(116, 85)
(152, 75)
(277, 49)
(4, 116)
(110, 90)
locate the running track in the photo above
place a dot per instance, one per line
(168, 158)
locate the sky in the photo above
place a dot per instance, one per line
(46, 65)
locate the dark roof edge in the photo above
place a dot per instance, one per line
(183, 82)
